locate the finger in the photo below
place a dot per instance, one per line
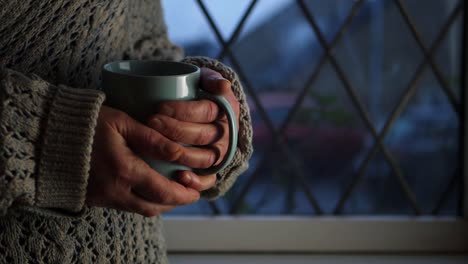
(186, 132)
(199, 157)
(136, 204)
(199, 183)
(150, 142)
(214, 82)
(205, 156)
(201, 111)
(155, 188)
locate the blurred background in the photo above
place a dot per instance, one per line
(355, 104)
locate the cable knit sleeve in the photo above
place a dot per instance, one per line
(46, 134)
(244, 150)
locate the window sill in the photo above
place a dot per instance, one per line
(322, 235)
(319, 259)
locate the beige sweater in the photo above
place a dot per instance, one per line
(49, 51)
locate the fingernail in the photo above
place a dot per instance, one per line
(187, 178)
(217, 77)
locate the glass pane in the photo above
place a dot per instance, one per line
(283, 52)
(188, 28)
(424, 141)
(326, 140)
(448, 58)
(378, 193)
(226, 21)
(424, 16)
(330, 15)
(329, 137)
(380, 56)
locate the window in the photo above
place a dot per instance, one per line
(358, 106)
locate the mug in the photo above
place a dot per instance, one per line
(138, 87)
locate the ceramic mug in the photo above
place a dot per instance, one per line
(138, 87)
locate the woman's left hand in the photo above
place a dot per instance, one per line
(200, 124)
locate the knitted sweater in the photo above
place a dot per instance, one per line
(51, 53)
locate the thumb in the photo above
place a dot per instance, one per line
(214, 82)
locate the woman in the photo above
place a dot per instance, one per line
(71, 188)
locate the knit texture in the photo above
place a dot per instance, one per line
(46, 137)
(51, 54)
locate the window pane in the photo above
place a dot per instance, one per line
(316, 149)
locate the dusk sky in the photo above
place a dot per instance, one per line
(186, 22)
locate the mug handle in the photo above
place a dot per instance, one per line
(231, 117)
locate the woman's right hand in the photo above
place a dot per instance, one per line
(120, 179)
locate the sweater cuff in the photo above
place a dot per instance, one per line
(66, 152)
(227, 177)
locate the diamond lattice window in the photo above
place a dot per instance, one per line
(355, 104)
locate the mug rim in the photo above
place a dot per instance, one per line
(107, 68)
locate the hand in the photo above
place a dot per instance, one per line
(120, 179)
(200, 124)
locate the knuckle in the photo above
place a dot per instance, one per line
(200, 139)
(151, 137)
(118, 119)
(161, 197)
(185, 115)
(183, 110)
(156, 122)
(123, 170)
(175, 154)
(161, 147)
(120, 116)
(211, 111)
(160, 123)
(175, 132)
(204, 137)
